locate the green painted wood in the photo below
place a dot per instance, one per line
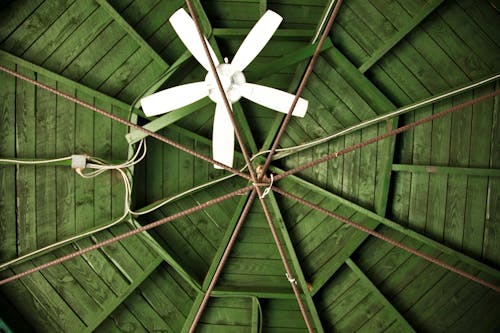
(11, 317)
(8, 248)
(145, 314)
(474, 263)
(70, 291)
(45, 176)
(380, 297)
(25, 176)
(287, 34)
(33, 26)
(399, 35)
(89, 280)
(432, 169)
(132, 32)
(84, 34)
(5, 56)
(256, 315)
(14, 14)
(299, 275)
(134, 284)
(53, 37)
(224, 241)
(47, 296)
(162, 252)
(19, 290)
(161, 304)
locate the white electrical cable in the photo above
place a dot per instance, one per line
(98, 169)
(15, 161)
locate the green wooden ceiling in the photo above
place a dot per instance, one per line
(434, 188)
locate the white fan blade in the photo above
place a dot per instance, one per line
(184, 26)
(256, 39)
(173, 98)
(223, 137)
(275, 99)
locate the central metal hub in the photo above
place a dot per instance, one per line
(230, 79)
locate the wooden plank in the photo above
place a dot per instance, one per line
(395, 226)
(34, 25)
(142, 310)
(379, 296)
(84, 144)
(477, 187)
(5, 56)
(14, 14)
(70, 291)
(54, 305)
(45, 176)
(65, 178)
(292, 256)
(89, 280)
(95, 50)
(57, 33)
(491, 242)
(133, 33)
(433, 169)
(25, 178)
(100, 264)
(119, 152)
(420, 182)
(162, 304)
(126, 321)
(112, 306)
(165, 255)
(471, 33)
(31, 305)
(82, 37)
(8, 247)
(399, 35)
(103, 200)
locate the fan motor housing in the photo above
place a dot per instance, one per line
(231, 80)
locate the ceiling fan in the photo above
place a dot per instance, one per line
(232, 79)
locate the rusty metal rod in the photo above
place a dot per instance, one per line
(301, 87)
(222, 92)
(128, 234)
(385, 135)
(289, 273)
(389, 240)
(124, 122)
(223, 260)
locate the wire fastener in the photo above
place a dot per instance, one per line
(291, 280)
(268, 189)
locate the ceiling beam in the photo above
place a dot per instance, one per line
(224, 242)
(292, 256)
(447, 170)
(429, 7)
(256, 318)
(238, 33)
(133, 33)
(121, 298)
(380, 104)
(166, 256)
(393, 225)
(379, 296)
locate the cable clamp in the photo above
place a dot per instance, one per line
(268, 189)
(290, 279)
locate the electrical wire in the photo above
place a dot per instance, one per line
(287, 151)
(16, 161)
(99, 168)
